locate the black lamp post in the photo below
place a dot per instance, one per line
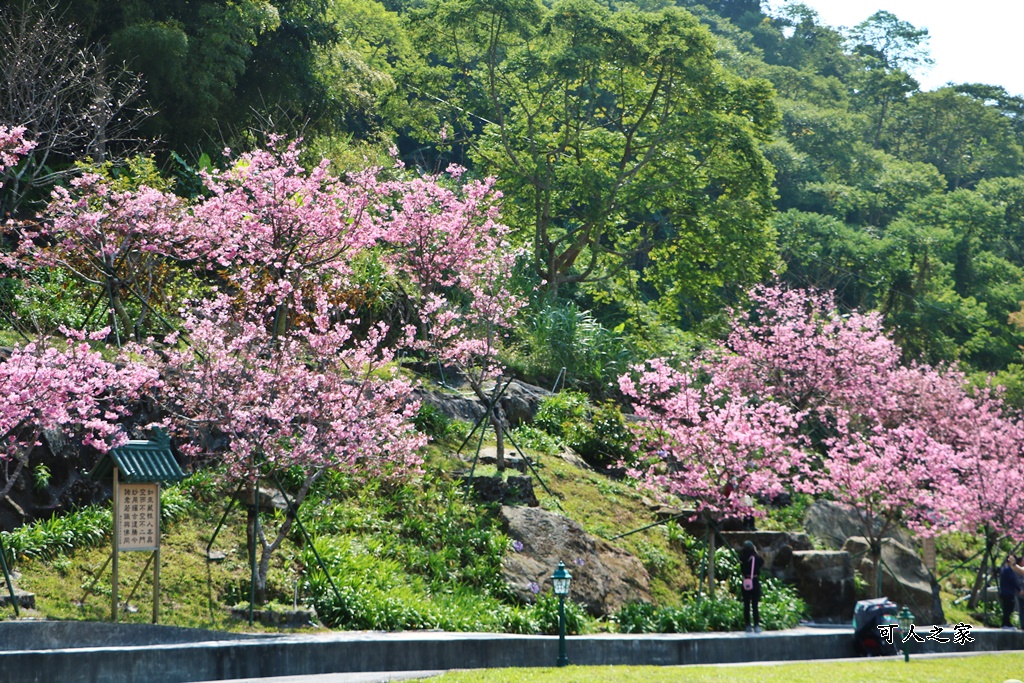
(561, 580)
(906, 619)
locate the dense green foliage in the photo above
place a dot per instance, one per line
(656, 158)
(85, 528)
(598, 433)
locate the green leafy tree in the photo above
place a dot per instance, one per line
(617, 138)
(958, 134)
(215, 68)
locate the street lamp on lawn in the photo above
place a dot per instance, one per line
(561, 580)
(906, 619)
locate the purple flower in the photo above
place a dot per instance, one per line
(534, 587)
(517, 546)
(578, 561)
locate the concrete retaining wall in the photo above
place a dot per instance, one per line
(223, 656)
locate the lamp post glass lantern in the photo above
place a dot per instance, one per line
(560, 581)
(906, 620)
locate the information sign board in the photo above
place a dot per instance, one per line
(138, 517)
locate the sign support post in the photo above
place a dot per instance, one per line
(116, 549)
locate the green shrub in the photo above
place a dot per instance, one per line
(724, 613)
(521, 620)
(545, 613)
(559, 414)
(604, 440)
(638, 617)
(780, 608)
(48, 538)
(366, 591)
(599, 434)
(528, 436)
(431, 421)
(40, 477)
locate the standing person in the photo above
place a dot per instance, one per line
(1019, 568)
(1008, 588)
(750, 568)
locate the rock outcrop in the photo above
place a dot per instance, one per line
(776, 547)
(825, 581)
(604, 577)
(905, 580)
(832, 523)
(518, 404)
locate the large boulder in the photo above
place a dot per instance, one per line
(776, 547)
(604, 577)
(517, 406)
(520, 401)
(452, 405)
(268, 499)
(832, 523)
(905, 579)
(824, 579)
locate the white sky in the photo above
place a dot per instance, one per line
(972, 41)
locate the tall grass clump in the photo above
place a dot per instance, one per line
(562, 335)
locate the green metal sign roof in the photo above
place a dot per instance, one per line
(139, 462)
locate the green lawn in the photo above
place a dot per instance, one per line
(986, 668)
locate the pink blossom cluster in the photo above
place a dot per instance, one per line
(13, 145)
(45, 387)
(283, 364)
(799, 396)
(70, 387)
(99, 233)
(271, 350)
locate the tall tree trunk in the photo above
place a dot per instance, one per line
(499, 439)
(259, 585)
(876, 557)
(711, 557)
(977, 590)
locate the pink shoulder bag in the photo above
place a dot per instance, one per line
(748, 583)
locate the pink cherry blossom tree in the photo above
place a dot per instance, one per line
(60, 382)
(64, 384)
(710, 443)
(870, 422)
(988, 438)
(900, 445)
(281, 359)
(277, 360)
(110, 240)
(454, 260)
(313, 399)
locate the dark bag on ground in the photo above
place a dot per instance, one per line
(868, 615)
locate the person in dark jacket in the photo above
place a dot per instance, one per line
(1019, 568)
(750, 569)
(1008, 588)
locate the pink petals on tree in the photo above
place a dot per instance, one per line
(801, 397)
